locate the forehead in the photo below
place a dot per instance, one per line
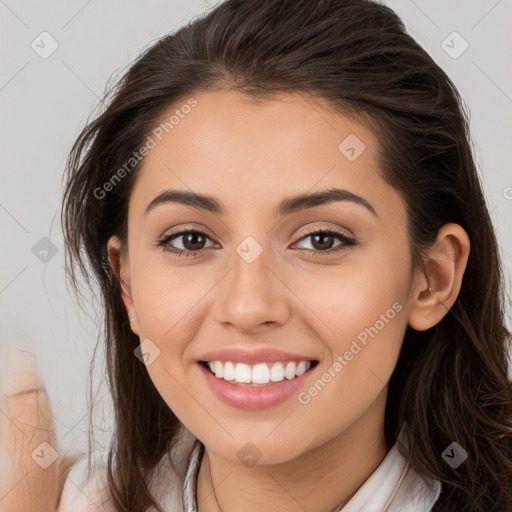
(247, 151)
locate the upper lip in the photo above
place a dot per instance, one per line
(260, 355)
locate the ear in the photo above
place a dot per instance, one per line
(119, 264)
(435, 293)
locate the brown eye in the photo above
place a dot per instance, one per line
(192, 242)
(322, 241)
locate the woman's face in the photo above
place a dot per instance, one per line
(256, 283)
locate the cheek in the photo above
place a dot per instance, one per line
(170, 305)
(165, 302)
(354, 310)
(345, 299)
(360, 313)
(166, 296)
(363, 344)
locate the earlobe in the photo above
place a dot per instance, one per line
(437, 289)
(120, 268)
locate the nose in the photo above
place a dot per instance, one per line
(252, 298)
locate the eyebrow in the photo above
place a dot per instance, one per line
(287, 206)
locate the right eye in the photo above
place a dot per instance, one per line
(192, 238)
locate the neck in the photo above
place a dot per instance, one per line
(319, 479)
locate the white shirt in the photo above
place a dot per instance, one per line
(392, 487)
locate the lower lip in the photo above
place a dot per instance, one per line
(246, 397)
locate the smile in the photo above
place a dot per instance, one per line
(259, 374)
(238, 386)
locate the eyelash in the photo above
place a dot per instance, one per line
(347, 242)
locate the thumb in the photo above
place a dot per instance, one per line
(29, 466)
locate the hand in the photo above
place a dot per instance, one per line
(29, 470)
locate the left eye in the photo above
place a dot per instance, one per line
(193, 241)
(319, 237)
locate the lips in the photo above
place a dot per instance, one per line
(261, 355)
(247, 396)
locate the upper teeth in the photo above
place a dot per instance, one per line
(260, 373)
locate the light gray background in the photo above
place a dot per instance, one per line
(45, 102)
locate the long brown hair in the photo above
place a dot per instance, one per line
(451, 382)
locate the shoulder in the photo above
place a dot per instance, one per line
(87, 491)
(169, 476)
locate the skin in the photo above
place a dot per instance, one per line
(250, 156)
(26, 422)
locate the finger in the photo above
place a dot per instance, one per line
(28, 448)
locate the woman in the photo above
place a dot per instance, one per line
(302, 285)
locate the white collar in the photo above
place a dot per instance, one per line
(393, 486)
